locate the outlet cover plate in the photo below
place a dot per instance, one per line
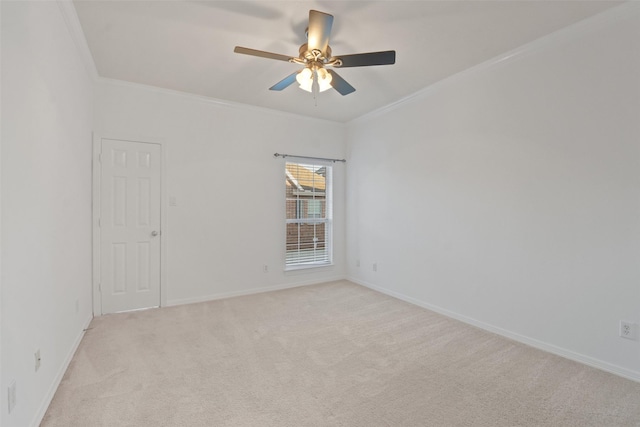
(629, 330)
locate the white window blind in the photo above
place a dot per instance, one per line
(308, 214)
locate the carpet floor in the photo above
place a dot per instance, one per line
(335, 354)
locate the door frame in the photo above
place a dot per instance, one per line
(95, 208)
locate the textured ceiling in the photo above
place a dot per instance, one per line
(188, 45)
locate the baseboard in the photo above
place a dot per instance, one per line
(252, 291)
(37, 419)
(541, 345)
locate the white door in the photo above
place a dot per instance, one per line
(129, 225)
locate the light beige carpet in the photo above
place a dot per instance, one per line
(335, 354)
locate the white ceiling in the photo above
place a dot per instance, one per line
(188, 45)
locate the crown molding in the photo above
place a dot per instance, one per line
(77, 34)
(214, 101)
(627, 10)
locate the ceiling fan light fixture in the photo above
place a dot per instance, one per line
(324, 79)
(316, 54)
(305, 79)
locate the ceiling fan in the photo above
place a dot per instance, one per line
(315, 55)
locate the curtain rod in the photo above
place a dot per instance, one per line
(307, 157)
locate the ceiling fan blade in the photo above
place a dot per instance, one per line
(365, 59)
(340, 84)
(285, 83)
(319, 30)
(261, 53)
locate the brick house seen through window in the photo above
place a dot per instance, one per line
(308, 215)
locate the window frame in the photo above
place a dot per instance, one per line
(327, 220)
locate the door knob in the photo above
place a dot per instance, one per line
(154, 233)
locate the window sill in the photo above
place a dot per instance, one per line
(307, 266)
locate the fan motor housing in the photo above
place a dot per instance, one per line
(314, 55)
(315, 60)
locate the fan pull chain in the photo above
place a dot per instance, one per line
(315, 87)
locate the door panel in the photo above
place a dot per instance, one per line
(130, 225)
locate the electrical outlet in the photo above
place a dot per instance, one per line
(375, 266)
(628, 330)
(11, 395)
(265, 268)
(38, 359)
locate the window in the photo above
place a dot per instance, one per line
(314, 208)
(309, 214)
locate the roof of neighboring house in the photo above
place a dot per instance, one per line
(305, 178)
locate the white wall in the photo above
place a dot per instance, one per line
(507, 196)
(228, 187)
(46, 204)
